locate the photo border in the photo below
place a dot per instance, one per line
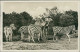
(1, 36)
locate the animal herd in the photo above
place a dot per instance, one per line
(33, 30)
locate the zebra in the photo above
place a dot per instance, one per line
(8, 31)
(63, 30)
(29, 30)
(23, 30)
(46, 26)
(34, 30)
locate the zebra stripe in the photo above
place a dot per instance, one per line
(34, 30)
(63, 30)
(8, 31)
(23, 30)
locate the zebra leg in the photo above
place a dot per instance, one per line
(46, 33)
(22, 35)
(54, 36)
(43, 35)
(39, 37)
(29, 38)
(6, 38)
(33, 37)
(11, 37)
(42, 30)
(68, 37)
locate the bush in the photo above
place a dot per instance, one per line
(16, 38)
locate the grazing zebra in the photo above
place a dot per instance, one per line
(23, 30)
(34, 32)
(63, 30)
(8, 31)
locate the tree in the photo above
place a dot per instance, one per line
(25, 18)
(66, 20)
(75, 17)
(18, 19)
(54, 14)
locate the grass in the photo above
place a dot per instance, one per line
(61, 44)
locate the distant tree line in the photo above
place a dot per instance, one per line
(19, 19)
(58, 19)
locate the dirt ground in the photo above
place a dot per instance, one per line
(62, 44)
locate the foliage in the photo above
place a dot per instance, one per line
(66, 20)
(18, 19)
(62, 19)
(75, 17)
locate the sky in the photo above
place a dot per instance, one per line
(37, 8)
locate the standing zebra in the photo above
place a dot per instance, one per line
(63, 30)
(31, 31)
(23, 30)
(46, 26)
(8, 31)
(35, 31)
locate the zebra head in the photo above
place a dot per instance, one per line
(13, 26)
(72, 28)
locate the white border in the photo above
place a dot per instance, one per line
(39, 1)
(1, 26)
(78, 26)
(39, 50)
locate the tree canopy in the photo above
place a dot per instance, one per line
(58, 19)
